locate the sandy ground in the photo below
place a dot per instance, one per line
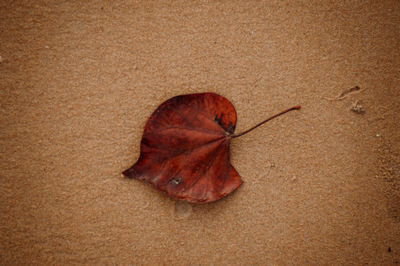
(79, 80)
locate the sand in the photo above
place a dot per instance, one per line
(78, 81)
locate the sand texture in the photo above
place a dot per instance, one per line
(79, 79)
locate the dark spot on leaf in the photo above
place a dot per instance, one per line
(176, 180)
(231, 128)
(219, 119)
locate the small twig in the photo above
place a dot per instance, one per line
(344, 94)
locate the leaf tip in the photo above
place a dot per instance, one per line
(129, 173)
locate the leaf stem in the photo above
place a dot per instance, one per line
(297, 107)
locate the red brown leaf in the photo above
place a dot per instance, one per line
(184, 150)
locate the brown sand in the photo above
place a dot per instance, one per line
(79, 80)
